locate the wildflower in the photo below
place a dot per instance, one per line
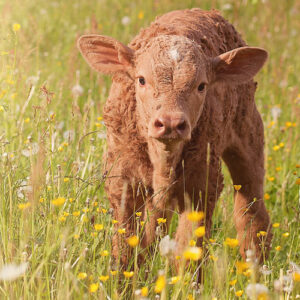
(266, 196)
(104, 253)
(247, 273)
(76, 236)
(62, 219)
(27, 120)
(16, 27)
(114, 221)
(160, 284)
(286, 234)
(296, 276)
(66, 179)
(113, 272)
(271, 178)
(41, 200)
(233, 282)
(125, 20)
(66, 214)
(200, 231)
(265, 270)
(71, 200)
(195, 216)
(276, 148)
(103, 278)
(23, 206)
(128, 274)
(167, 246)
(142, 223)
(94, 233)
(190, 297)
(174, 279)
(81, 275)
(133, 241)
(275, 112)
(281, 145)
(59, 201)
(193, 253)
(144, 291)
(76, 213)
(192, 243)
(141, 15)
(12, 271)
(85, 210)
(77, 90)
(257, 290)
(121, 230)
(1, 108)
(31, 150)
(104, 210)
(277, 169)
(262, 233)
(241, 266)
(276, 225)
(298, 181)
(237, 187)
(93, 287)
(232, 243)
(278, 248)
(98, 227)
(213, 258)
(212, 240)
(239, 293)
(161, 220)
(98, 124)
(138, 214)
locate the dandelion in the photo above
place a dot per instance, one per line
(232, 243)
(125, 20)
(213, 258)
(113, 272)
(81, 275)
(142, 223)
(296, 276)
(144, 291)
(98, 227)
(77, 90)
(195, 216)
(41, 200)
(276, 148)
(121, 230)
(278, 248)
(66, 179)
(62, 219)
(16, 27)
(297, 181)
(233, 282)
(257, 291)
(167, 246)
(193, 253)
(192, 243)
(241, 266)
(66, 214)
(85, 210)
(160, 284)
(133, 241)
(212, 240)
(161, 220)
(237, 187)
(286, 234)
(190, 297)
(200, 231)
(128, 274)
(71, 200)
(276, 225)
(271, 178)
(104, 210)
(141, 15)
(138, 214)
(103, 278)
(76, 213)
(23, 206)
(114, 221)
(59, 201)
(76, 236)
(266, 196)
(277, 169)
(11, 272)
(265, 270)
(104, 253)
(239, 293)
(93, 287)
(174, 279)
(261, 233)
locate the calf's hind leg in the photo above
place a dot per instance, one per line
(245, 161)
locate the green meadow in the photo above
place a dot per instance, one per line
(56, 225)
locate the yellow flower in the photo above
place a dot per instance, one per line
(27, 120)
(42, 200)
(76, 213)
(298, 181)
(278, 248)
(95, 203)
(174, 279)
(212, 240)
(94, 233)
(133, 241)
(62, 219)
(144, 291)
(286, 234)
(200, 231)
(103, 278)
(232, 243)
(160, 284)
(66, 179)
(128, 274)
(98, 227)
(98, 125)
(237, 187)
(121, 230)
(239, 293)
(76, 236)
(161, 220)
(71, 200)
(281, 145)
(276, 148)
(241, 266)
(93, 287)
(193, 253)
(66, 214)
(16, 27)
(113, 272)
(99, 118)
(247, 273)
(23, 206)
(59, 201)
(60, 149)
(288, 124)
(114, 221)
(177, 257)
(213, 258)
(233, 282)
(104, 253)
(81, 275)
(138, 214)
(85, 210)
(278, 169)
(192, 243)
(263, 233)
(267, 196)
(195, 216)
(276, 225)
(1, 108)
(142, 223)
(296, 276)
(104, 210)
(190, 297)
(271, 178)
(141, 15)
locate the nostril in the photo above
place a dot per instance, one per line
(158, 124)
(181, 126)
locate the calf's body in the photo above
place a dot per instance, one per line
(173, 112)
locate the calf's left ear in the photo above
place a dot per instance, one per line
(239, 65)
(105, 54)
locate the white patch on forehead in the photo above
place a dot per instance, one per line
(174, 54)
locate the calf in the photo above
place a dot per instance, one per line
(182, 99)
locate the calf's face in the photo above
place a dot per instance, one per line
(172, 76)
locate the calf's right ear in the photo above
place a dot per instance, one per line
(105, 54)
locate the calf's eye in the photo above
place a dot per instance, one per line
(142, 81)
(201, 87)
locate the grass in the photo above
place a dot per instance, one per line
(40, 110)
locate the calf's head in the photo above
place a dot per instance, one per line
(172, 76)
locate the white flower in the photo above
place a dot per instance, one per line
(32, 150)
(32, 80)
(227, 6)
(12, 271)
(101, 135)
(125, 20)
(265, 270)
(167, 246)
(77, 90)
(254, 290)
(275, 112)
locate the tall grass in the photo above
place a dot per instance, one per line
(52, 139)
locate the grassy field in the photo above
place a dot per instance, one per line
(55, 223)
